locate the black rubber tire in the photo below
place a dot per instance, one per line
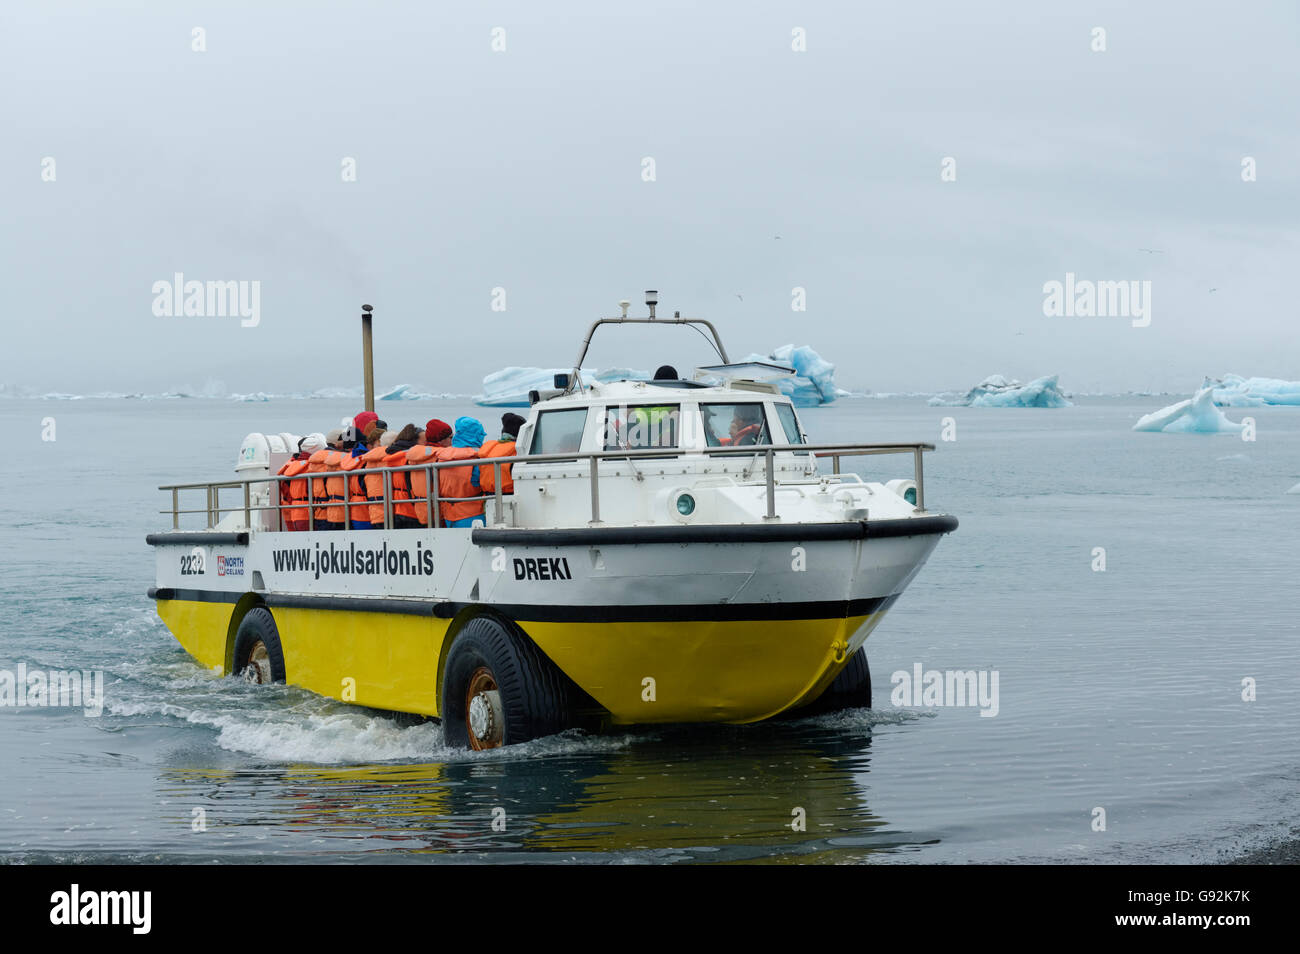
(850, 690)
(258, 624)
(537, 699)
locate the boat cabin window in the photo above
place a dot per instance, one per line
(559, 432)
(734, 425)
(642, 427)
(789, 424)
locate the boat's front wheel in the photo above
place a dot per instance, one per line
(850, 690)
(258, 656)
(499, 689)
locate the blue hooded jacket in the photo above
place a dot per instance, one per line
(469, 433)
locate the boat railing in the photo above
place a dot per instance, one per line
(214, 510)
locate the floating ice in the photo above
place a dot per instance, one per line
(814, 384)
(997, 391)
(1196, 415)
(1232, 390)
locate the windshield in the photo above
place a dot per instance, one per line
(734, 425)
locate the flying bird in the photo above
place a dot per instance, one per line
(1152, 251)
(740, 296)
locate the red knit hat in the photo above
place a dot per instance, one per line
(364, 418)
(437, 430)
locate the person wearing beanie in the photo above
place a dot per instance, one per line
(437, 433)
(404, 517)
(459, 486)
(505, 447)
(364, 420)
(373, 457)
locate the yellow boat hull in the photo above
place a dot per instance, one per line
(640, 672)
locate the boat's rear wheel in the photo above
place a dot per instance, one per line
(258, 656)
(499, 689)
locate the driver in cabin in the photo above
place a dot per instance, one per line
(746, 425)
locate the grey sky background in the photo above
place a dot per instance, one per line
(522, 169)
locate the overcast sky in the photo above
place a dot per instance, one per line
(523, 169)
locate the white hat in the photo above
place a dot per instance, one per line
(312, 442)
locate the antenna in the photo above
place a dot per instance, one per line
(625, 305)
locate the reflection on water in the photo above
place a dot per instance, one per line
(720, 792)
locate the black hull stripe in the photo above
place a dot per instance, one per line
(719, 533)
(201, 538)
(532, 613)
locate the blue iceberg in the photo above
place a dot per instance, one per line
(1197, 415)
(997, 391)
(1232, 390)
(814, 380)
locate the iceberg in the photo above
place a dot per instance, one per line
(814, 381)
(997, 391)
(1232, 390)
(1197, 415)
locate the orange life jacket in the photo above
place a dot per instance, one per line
(325, 461)
(487, 474)
(401, 485)
(420, 454)
(374, 484)
(293, 491)
(458, 482)
(741, 434)
(356, 491)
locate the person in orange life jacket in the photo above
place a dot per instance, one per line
(505, 447)
(295, 491)
(462, 482)
(357, 511)
(326, 513)
(436, 434)
(745, 425)
(378, 440)
(403, 511)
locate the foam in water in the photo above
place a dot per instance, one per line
(1197, 415)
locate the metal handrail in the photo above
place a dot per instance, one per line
(591, 332)
(432, 499)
